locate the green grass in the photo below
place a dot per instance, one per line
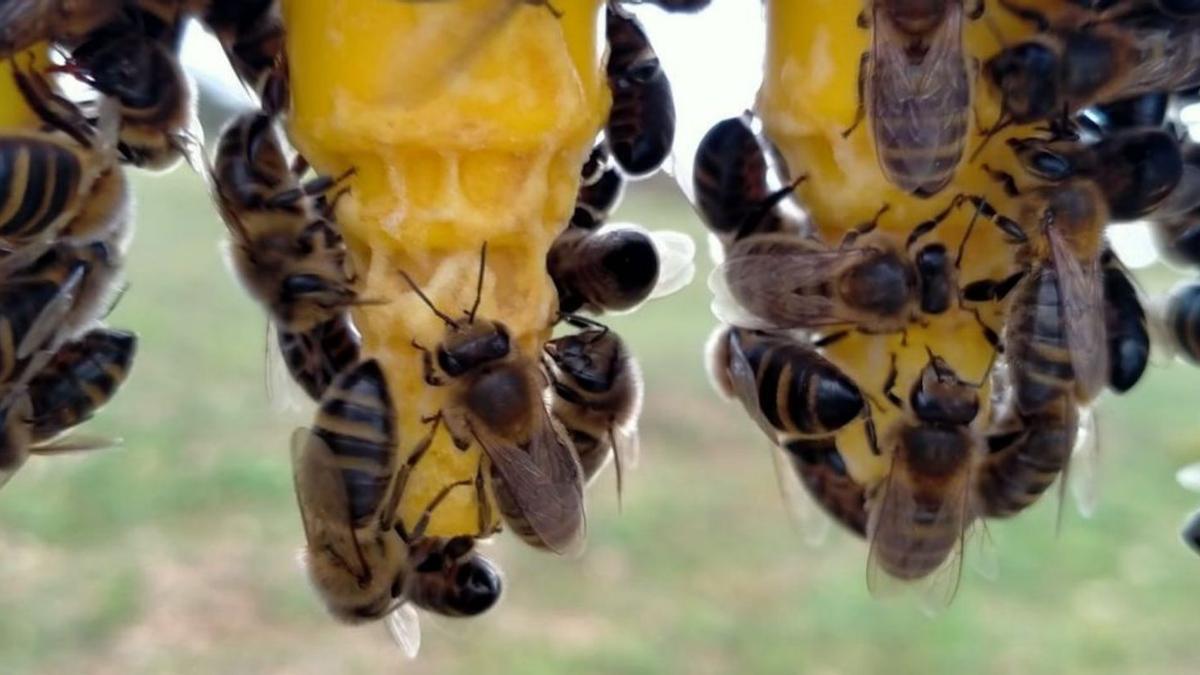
(175, 552)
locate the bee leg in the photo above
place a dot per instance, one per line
(889, 385)
(422, 524)
(861, 111)
(830, 339)
(1007, 225)
(313, 188)
(930, 225)
(1005, 179)
(483, 507)
(546, 3)
(864, 228)
(459, 430)
(431, 377)
(52, 108)
(1028, 15)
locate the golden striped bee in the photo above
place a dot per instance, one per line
(1026, 453)
(920, 514)
(80, 378)
(597, 388)
(822, 471)
(62, 176)
(913, 82)
(497, 402)
(315, 356)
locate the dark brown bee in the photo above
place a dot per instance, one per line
(608, 271)
(61, 177)
(920, 514)
(24, 23)
(1137, 170)
(1055, 337)
(868, 283)
(1183, 320)
(597, 388)
(82, 376)
(315, 356)
(452, 578)
(641, 125)
(786, 386)
(1026, 453)
(820, 467)
(913, 82)
(144, 75)
(739, 183)
(1125, 325)
(497, 401)
(284, 248)
(600, 190)
(251, 32)
(1081, 63)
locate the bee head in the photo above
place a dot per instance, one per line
(940, 397)
(472, 345)
(589, 358)
(1026, 76)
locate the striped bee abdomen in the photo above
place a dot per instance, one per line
(83, 375)
(40, 183)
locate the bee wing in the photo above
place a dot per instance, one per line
(676, 262)
(1189, 477)
(452, 40)
(626, 442)
(322, 498)
(282, 391)
(544, 480)
(1084, 468)
(773, 288)
(745, 387)
(895, 518)
(41, 333)
(404, 624)
(1082, 295)
(803, 512)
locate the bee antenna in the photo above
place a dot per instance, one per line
(478, 284)
(1000, 125)
(428, 303)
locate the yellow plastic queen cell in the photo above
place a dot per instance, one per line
(465, 122)
(808, 98)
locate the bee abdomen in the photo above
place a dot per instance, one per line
(1015, 475)
(1183, 320)
(83, 375)
(1038, 351)
(356, 421)
(803, 393)
(39, 180)
(316, 356)
(641, 125)
(593, 452)
(1128, 338)
(823, 472)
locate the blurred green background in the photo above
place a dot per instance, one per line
(176, 552)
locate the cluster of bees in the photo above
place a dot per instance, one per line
(1101, 80)
(548, 423)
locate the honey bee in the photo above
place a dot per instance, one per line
(920, 514)
(597, 388)
(739, 183)
(641, 125)
(1082, 62)
(1055, 337)
(618, 268)
(1026, 453)
(868, 283)
(1135, 112)
(251, 32)
(1178, 238)
(1190, 533)
(497, 401)
(786, 386)
(60, 175)
(600, 190)
(284, 248)
(361, 560)
(315, 356)
(81, 377)
(822, 471)
(1137, 170)
(1183, 320)
(914, 81)
(1125, 325)
(24, 23)
(144, 75)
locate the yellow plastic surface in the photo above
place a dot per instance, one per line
(13, 110)
(807, 100)
(465, 122)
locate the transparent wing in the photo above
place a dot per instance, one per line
(745, 386)
(716, 249)
(903, 532)
(41, 333)
(322, 499)
(1082, 295)
(1084, 471)
(283, 393)
(1189, 477)
(626, 441)
(726, 307)
(404, 624)
(455, 33)
(544, 481)
(983, 557)
(803, 512)
(777, 286)
(676, 261)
